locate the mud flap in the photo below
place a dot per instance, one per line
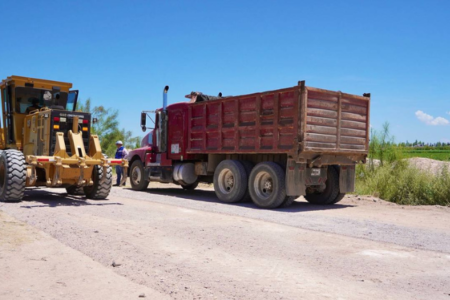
(347, 179)
(295, 178)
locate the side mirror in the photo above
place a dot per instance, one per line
(143, 121)
(94, 120)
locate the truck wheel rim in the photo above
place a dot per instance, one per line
(136, 175)
(263, 185)
(226, 181)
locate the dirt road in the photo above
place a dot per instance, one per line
(169, 243)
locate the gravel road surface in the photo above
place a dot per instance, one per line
(167, 243)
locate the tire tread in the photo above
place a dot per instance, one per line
(16, 175)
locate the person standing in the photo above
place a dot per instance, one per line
(121, 152)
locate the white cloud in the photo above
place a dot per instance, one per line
(430, 120)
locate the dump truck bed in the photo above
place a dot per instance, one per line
(293, 120)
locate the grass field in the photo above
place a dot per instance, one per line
(433, 154)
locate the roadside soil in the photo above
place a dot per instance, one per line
(186, 245)
(36, 266)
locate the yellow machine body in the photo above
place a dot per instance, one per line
(39, 120)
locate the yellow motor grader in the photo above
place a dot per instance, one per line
(45, 142)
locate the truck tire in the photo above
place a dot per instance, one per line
(99, 190)
(288, 201)
(338, 198)
(248, 166)
(75, 190)
(137, 174)
(341, 195)
(331, 192)
(230, 181)
(190, 187)
(13, 175)
(267, 185)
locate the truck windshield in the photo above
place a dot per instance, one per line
(28, 97)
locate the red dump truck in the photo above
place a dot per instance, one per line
(269, 147)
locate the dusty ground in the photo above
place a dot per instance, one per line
(187, 245)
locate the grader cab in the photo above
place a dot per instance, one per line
(45, 142)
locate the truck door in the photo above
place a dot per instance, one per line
(176, 135)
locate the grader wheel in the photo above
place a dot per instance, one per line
(75, 190)
(101, 188)
(13, 175)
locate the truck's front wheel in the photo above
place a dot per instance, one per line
(330, 194)
(230, 181)
(267, 185)
(137, 176)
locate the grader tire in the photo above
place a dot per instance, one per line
(13, 175)
(75, 190)
(99, 190)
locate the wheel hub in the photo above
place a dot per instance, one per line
(136, 175)
(226, 181)
(263, 185)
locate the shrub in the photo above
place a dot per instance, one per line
(394, 179)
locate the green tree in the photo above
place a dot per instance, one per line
(107, 128)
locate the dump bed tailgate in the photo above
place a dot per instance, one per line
(335, 121)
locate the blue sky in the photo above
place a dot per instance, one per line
(122, 53)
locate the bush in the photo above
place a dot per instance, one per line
(402, 183)
(393, 179)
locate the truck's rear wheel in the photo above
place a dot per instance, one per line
(267, 185)
(230, 181)
(100, 189)
(338, 198)
(13, 175)
(329, 194)
(190, 187)
(75, 190)
(248, 166)
(137, 176)
(288, 201)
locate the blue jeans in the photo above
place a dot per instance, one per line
(119, 172)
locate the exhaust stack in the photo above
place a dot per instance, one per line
(166, 89)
